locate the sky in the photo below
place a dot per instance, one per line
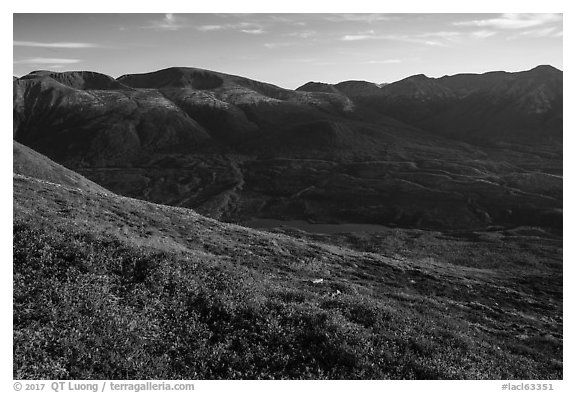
(289, 50)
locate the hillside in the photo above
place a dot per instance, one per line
(30, 163)
(109, 287)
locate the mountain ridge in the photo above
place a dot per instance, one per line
(445, 79)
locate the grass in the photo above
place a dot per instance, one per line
(173, 295)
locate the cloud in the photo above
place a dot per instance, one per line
(291, 19)
(210, 27)
(359, 37)
(252, 31)
(244, 27)
(415, 39)
(363, 18)
(514, 21)
(457, 36)
(170, 22)
(387, 61)
(437, 38)
(448, 35)
(273, 45)
(59, 45)
(483, 33)
(303, 34)
(300, 60)
(537, 33)
(362, 35)
(46, 60)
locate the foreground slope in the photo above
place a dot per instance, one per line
(109, 287)
(30, 163)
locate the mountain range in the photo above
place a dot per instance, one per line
(464, 151)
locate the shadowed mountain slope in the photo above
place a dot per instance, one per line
(98, 127)
(474, 107)
(524, 104)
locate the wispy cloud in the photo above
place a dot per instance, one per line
(244, 27)
(447, 35)
(437, 38)
(483, 33)
(363, 18)
(537, 33)
(300, 60)
(303, 34)
(415, 39)
(456, 36)
(169, 22)
(387, 61)
(360, 37)
(274, 45)
(46, 60)
(210, 27)
(514, 21)
(253, 31)
(58, 45)
(291, 19)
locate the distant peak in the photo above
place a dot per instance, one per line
(313, 84)
(317, 83)
(174, 77)
(84, 80)
(545, 68)
(418, 77)
(318, 87)
(358, 88)
(356, 82)
(81, 73)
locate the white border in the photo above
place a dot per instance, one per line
(304, 6)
